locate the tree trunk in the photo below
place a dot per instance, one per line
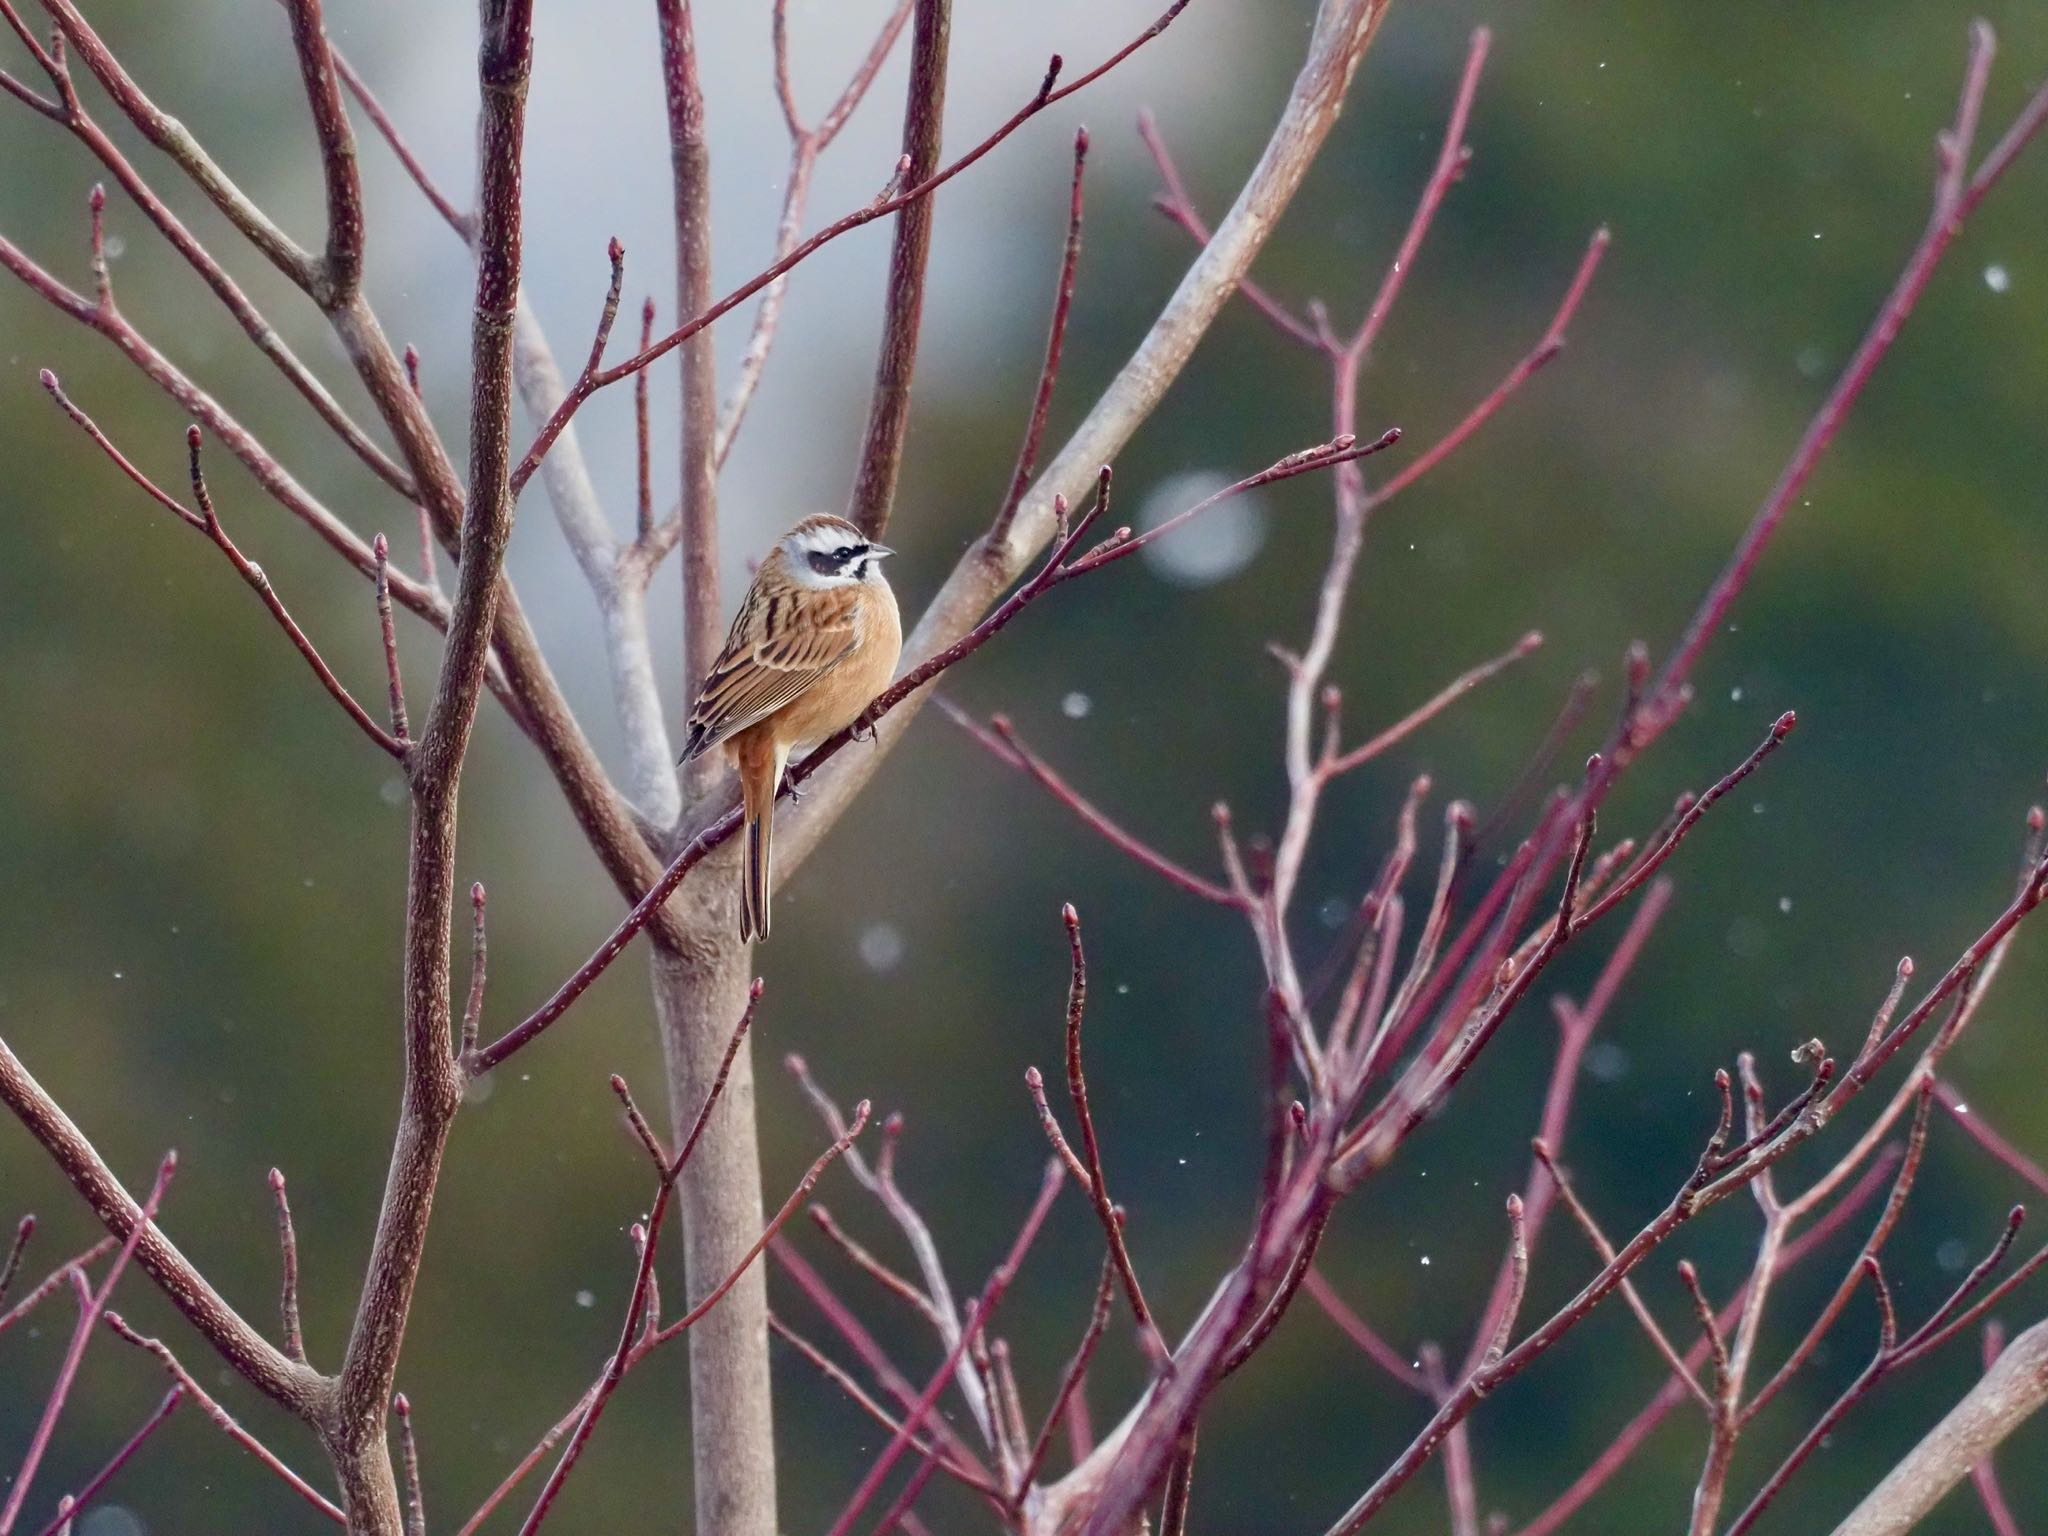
(699, 994)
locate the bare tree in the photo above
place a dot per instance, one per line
(1360, 1056)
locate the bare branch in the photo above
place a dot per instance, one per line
(288, 1248)
(1452, 159)
(71, 1504)
(924, 110)
(977, 1319)
(1055, 343)
(175, 140)
(1984, 1475)
(225, 1421)
(1071, 1380)
(269, 1370)
(806, 145)
(1091, 1150)
(1954, 202)
(1002, 740)
(342, 270)
(23, 1231)
(703, 611)
(415, 1499)
(91, 1304)
(881, 208)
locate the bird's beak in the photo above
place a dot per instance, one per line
(880, 549)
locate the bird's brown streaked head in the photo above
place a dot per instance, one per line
(827, 551)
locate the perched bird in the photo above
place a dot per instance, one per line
(816, 638)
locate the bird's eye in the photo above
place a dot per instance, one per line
(843, 553)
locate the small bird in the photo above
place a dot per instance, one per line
(816, 638)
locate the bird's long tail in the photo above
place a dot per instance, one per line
(758, 784)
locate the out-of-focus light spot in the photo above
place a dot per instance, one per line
(1209, 548)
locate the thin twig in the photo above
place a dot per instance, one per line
(288, 1247)
(54, 1281)
(1950, 1098)
(1984, 1475)
(92, 1302)
(381, 548)
(924, 110)
(479, 954)
(225, 1421)
(1045, 97)
(71, 1504)
(977, 1319)
(11, 1265)
(1071, 1379)
(1091, 1149)
(874, 1268)
(415, 1499)
(1049, 370)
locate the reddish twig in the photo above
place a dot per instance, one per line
(607, 317)
(209, 524)
(1888, 1218)
(873, 1267)
(1049, 371)
(1671, 1393)
(1545, 350)
(48, 1286)
(806, 146)
(872, 1355)
(1984, 1475)
(91, 1304)
(924, 109)
(1361, 1333)
(1892, 1353)
(1972, 1123)
(1179, 207)
(288, 1248)
(1422, 714)
(834, 1373)
(1956, 197)
(1091, 1149)
(225, 1421)
(415, 1497)
(342, 269)
(881, 208)
(479, 954)
(636, 1121)
(72, 1503)
(461, 222)
(1657, 850)
(1681, 1371)
(1451, 161)
(11, 1265)
(1001, 739)
(634, 1343)
(880, 1181)
(380, 547)
(977, 1319)
(1180, 1476)
(643, 441)
(69, 112)
(1070, 1387)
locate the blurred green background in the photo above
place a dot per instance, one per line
(203, 864)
